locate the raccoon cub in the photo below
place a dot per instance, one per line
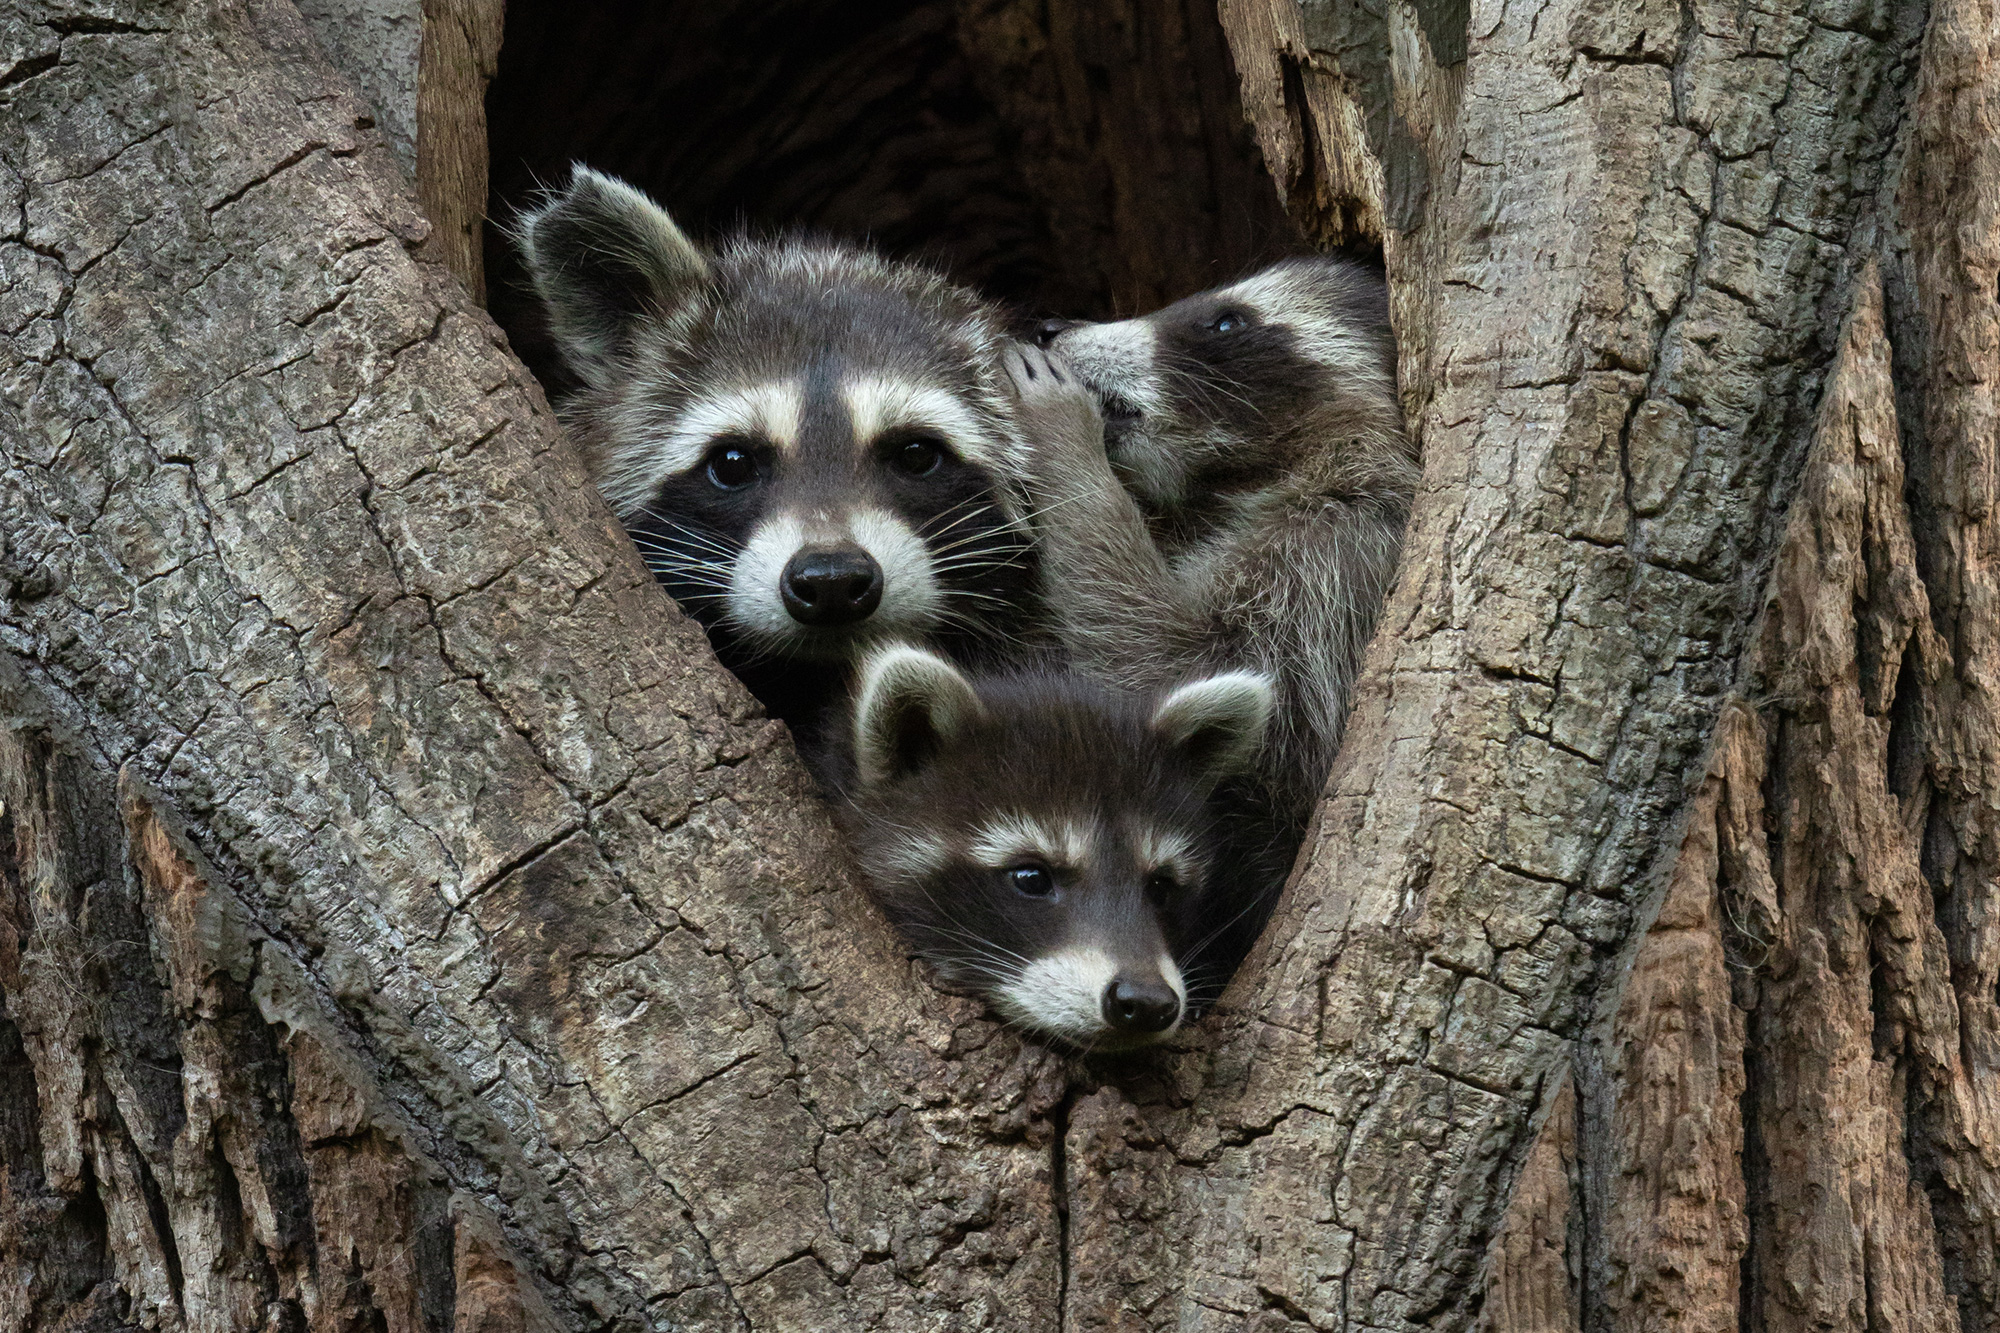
(1231, 478)
(1052, 842)
(813, 446)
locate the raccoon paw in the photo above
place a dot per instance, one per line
(1058, 415)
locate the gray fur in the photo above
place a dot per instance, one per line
(751, 413)
(1237, 502)
(961, 783)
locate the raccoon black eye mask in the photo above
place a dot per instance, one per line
(1051, 842)
(812, 446)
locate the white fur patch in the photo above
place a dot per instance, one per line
(755, 605)
(1170, 972)
(1224, 718)
(916, 854)
(911, 598)
(894, 679)
(657, 450)
(879, 405)
(1121, 359)
(1287, 298)
(1165, 849)
(1117, 358)
(1002, 842)
(1062, 995)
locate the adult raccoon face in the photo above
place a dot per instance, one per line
(808, 516)
(1206, 396)
(1048, 841)
(809, 443)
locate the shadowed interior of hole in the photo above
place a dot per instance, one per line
(1083, 158)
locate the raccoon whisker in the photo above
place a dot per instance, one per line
(981, 543)
(974, 540)
(698, 535)
(667, 556)
(1213, 391)
(974, 595)
(951, 926)
(654, 511)
(1194, 950)
(969, 965)
(938, 531)
(712, 570)
(977, 563)
(691, 542)
(982, 948)
(1051, 507)
(1191, 367)
(1009, 532)
(701, 576)
(981, 629)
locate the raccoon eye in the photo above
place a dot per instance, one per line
(1160, 886)
(731, 467)
(917, 455)
(1229, 321)
(1033, 881)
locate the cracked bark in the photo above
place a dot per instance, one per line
(1684, 762)
(403, 924)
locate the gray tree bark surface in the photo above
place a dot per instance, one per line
(1653, 264)
(295, 545)
(404, 924)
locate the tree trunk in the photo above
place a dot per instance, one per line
(404, 924)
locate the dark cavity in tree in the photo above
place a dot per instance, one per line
(1077, 157)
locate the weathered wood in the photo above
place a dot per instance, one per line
(1617, 312)
(461, 51)
(293, 541)
(1947, 352)
(278, 1178)
(1781, 1117)
(379, 46)
(355, 773)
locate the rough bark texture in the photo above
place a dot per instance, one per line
(1785, 1107)
(403, 923)
(379, 45)
(187, 1135)
(292, 541)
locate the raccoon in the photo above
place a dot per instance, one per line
(1232, 478)
(812, 446)
(1051, 841)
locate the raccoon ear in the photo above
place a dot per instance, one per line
(911, 703)
(1219, 722)
(602, 256)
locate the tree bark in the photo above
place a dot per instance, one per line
(405, 924)
(1666, 223)
(294, 544)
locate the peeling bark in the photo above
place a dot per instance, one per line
(190, 1139)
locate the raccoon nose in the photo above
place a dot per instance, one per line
(1140, 1006)
(831, 587)
(1049, 330)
